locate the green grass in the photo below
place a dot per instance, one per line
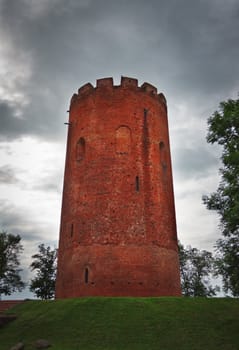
(127, 324)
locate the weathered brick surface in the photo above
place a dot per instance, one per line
(118, 230)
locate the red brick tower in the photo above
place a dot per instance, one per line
(118, 230)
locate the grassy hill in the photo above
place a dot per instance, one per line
(126, 324)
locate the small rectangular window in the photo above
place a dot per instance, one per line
(72, 229)
(86, 275)
(137, 184)
(80, 149)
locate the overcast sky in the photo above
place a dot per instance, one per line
(49, 48)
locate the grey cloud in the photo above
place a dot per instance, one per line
(7, 175)
(50, 183)
(5, 148)
(194, 163)
(48, 186)
(11, 126)
(17, 221)
(190, 51)
(41, 118)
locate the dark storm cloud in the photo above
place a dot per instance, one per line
(194, 163)
(189, 49)
(7, 175)
(17, 221)
(11, 125)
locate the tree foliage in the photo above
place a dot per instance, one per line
(10, 249)
(227, 264)
(224, 130)
(196, 267)
(43, 285)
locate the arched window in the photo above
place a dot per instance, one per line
(80, 149)
(123, 140)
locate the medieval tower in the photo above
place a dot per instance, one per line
(118, 229)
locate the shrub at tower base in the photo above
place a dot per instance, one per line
(118, 230)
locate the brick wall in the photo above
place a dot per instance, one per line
(118, 231)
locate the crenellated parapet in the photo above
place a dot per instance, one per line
(107, 84)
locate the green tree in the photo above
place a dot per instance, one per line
(10, 249)
(43, 285)
(196, 267)
(224, 130)
(227, 263)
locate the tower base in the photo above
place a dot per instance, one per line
(109, 270)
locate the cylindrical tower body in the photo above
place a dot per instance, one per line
(118, 229)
